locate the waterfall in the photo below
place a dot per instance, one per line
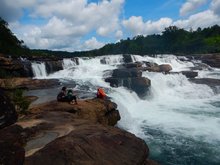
(68, 63)
(39, 70)
(179, 121)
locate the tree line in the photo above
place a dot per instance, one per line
(172, 40)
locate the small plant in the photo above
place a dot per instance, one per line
(21, 104)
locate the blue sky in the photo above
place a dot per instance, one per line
(75, 25)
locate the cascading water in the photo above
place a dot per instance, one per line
(39, 70)
(179, 121)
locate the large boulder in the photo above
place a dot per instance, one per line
(165, 68)
(153, 67)
(124, 73)
(97, 110)
(54, 66)
(190, 74)
(212, 60)
(130, 78)
(132, 65)
(127, 58)
(140, 85)
(76, 60)
(8, 114)
(93, 144)
(213, 83)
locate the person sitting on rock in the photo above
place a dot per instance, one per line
(65, 96)
(71, 97)
(100, 93)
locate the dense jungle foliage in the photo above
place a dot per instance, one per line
(173, 40)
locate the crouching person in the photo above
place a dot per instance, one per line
(101, 93)
(65, 96)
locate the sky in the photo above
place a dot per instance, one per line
(77, 25)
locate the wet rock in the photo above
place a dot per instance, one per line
(200, 66)
(212, 60)
(213, 83)
(76, 60)
(165, 68)
(208, 81)
(140, 85)
(93, 144)
(153, 67)
(190, 74)
(103, 60)
(133, 65)
(53, 66)
(127, 58)
(27, 83)
(124, 73)
(8, 114)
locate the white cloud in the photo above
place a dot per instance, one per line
(203, 19)
(66, 21)
(102, 16)
(137, 26)
(190, 6)
(92, 44)
(119, 34)
(215, 6)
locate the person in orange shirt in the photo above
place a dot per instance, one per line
(100, 93)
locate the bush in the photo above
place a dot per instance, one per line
(21, 104)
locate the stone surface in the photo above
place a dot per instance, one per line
(165, 68)
(15, 67)
(125, 73)
(97, 110)
(213, 83)
(93, 144)
(127, 58)
(132, 65)
(27, 83)
(54, 66)
(11, 154)
(8, 114)
(153, 67)
(140, 85)
(11, 150)
(190, 74)
(212, 60)
(60, 133)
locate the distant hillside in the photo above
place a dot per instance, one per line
(173, 40)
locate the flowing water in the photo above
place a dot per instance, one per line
(179, 120)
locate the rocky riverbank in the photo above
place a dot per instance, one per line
(60, 133)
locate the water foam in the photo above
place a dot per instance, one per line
(177, 111)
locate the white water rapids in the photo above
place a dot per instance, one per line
(180, 120)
